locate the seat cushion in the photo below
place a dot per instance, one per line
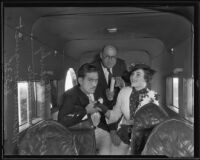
(172, 138)
(47, 138)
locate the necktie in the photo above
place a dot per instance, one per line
(109, 76)
(134, 100)
(90, 96)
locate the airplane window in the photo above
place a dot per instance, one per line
(22, 102)
(172, 93)
(180, 92)
(175, 93)
(30, 103)
(70, 80)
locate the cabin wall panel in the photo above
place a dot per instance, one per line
(137, 56)
(47, 60)
(11, 21)
(183, 58)
(70, 62)
(163, 68)
(9, 101)
(9, 93)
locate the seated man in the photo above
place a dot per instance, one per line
(79, 103)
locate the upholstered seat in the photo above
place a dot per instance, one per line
(85, 141)
(47, 138)
(172, 138)
(146, 118)
(84, 137)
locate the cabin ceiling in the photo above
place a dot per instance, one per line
(79, 33)
(79, 30)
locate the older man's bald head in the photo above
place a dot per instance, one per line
(108, 56)
(109, 48)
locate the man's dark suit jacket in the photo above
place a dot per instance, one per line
(70, 114)
(117, 70)
(72, 109)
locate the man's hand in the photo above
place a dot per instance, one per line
(119, 82)
(115, 138)
(91, 109)
(107, 114)
(109, 94)
(95, 118)
(102, 107)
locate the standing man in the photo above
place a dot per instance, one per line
(78, 106)
(109, 67)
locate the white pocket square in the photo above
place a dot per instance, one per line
(85, 117)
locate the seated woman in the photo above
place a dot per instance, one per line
(129, 100)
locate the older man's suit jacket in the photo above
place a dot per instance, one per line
(118, 70)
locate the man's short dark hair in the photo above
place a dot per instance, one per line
(86, 68)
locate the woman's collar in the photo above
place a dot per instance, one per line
(143, 90)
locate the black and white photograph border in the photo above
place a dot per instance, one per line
(46, 45)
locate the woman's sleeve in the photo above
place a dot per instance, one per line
(116, 112)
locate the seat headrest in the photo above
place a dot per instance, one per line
(47, 138)
(172, 138)
(149, 115)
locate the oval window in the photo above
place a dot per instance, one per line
(70, 79)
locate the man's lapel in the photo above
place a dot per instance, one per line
(102, 78)
(83, 97)
(96, 97)
(115, 69)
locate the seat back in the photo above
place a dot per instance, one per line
(172, 138)
(47, 138)
(85, 141)
(146, 118)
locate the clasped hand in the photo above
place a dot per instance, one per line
(95, 106)
(101, 107)
(90, 108)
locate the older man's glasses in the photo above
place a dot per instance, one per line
(109, 57)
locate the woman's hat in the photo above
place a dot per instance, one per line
(141, 66)
(133, 67)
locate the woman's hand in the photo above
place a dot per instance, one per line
(101, 107)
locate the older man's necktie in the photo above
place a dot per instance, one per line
(109, 76)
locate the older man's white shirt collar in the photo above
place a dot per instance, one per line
(105, 69)
(106, 72)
